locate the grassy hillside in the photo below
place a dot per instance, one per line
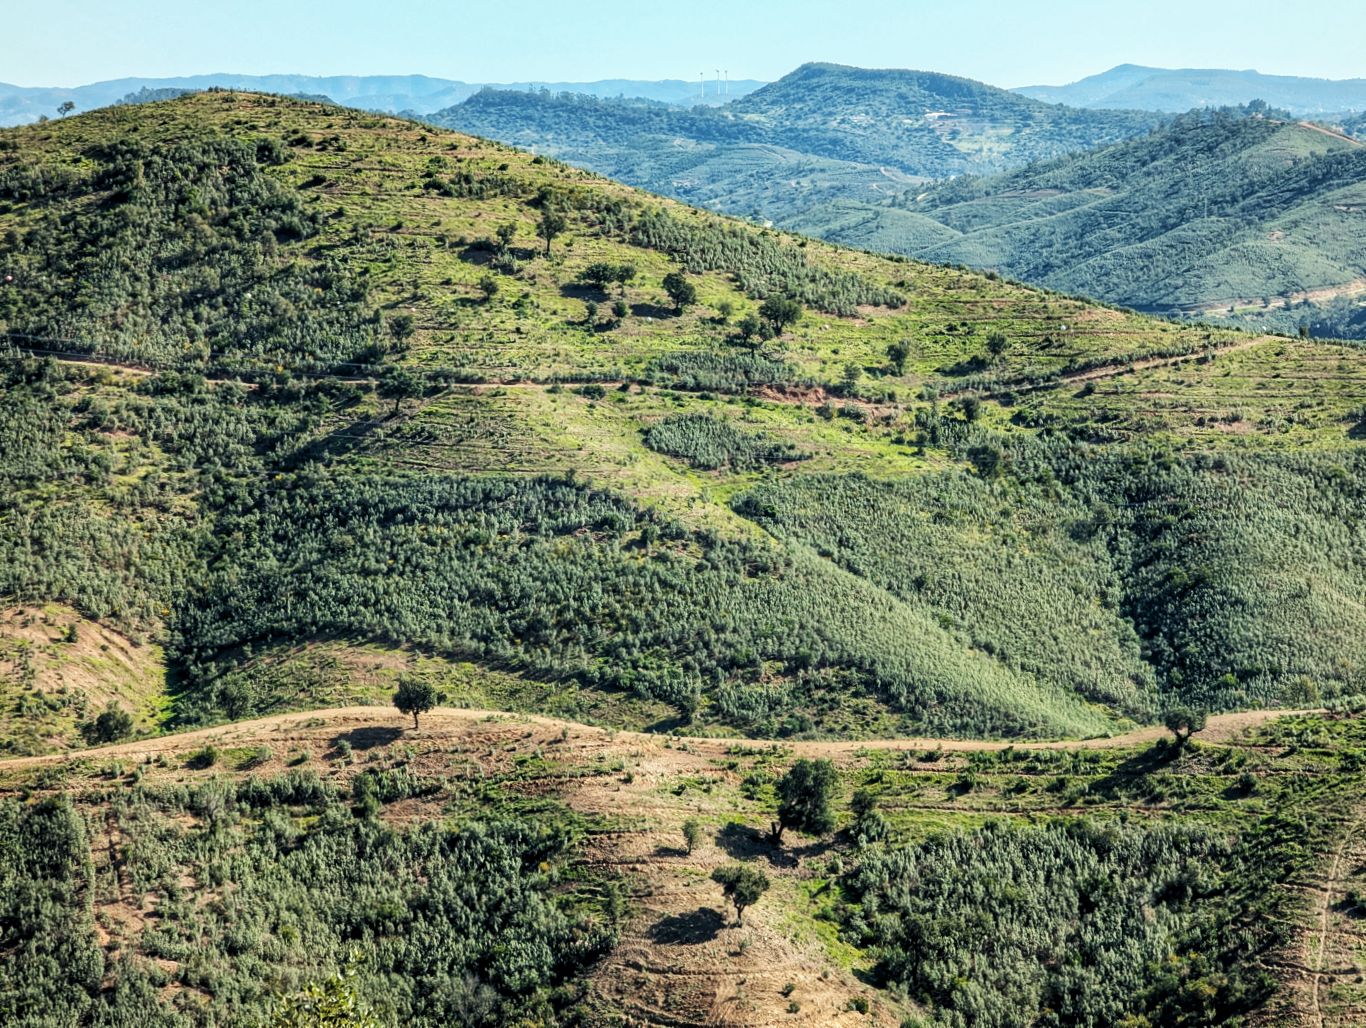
(1222, 215)
(503, 870)
(359, 396)
(1229, 214)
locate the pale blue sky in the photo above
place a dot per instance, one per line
(1005, 42)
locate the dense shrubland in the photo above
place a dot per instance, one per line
(1066, 923)
(710, 443)
(763, 264)
(726, 372)
(547, 576)
(469, 925)
(88, 517)
(1138, 579)
(187, 251)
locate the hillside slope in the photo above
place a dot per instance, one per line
(396, 387)
(343, 828)
(1223, 214)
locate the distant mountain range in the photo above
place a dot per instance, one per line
(1132, 86)
(1229, 214)
(419, 94)
(1240, 214)
(881, 126)
(1240, 208)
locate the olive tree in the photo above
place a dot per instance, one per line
(804, 797)
(742, 885)
(1183, 722)
(414, 696)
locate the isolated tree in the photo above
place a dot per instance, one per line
(488, 285)
(602, 274)
(110, 725)
(748, 327)
(398, 384)
(780, 312)
(897, 355)
(66, 108)
(599, 274)
(505, 234)
(742, 885)
(997, 344)
(620, 309)
(414, 696)
(680, 290)
(551, 225)
(1183, 722)
(724, 310)
(692, 834)
(804, 797)
(971, 406)
(402, 327)
(590, 313)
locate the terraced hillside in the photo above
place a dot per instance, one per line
(350, 365)
(303, 405)
(180, 874)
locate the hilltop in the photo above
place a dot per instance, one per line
(420, 94)
(907, 123)
(1242, 213)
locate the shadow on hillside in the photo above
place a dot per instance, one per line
(584, 291)
(1121, 782)
(741, 842)
(369, 738)
(653, 310)
(668, 724)
(481, 254)
(701, 925)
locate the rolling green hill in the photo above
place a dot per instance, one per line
(1249, 218)
(1216, 210)
(303, 402)
(361, 395)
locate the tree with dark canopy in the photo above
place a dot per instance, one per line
(414, 696)
(742, 885)
(1183, 722)
(680, 290)
(780, 312)
(804, 796)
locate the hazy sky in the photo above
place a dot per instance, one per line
(1005, 42)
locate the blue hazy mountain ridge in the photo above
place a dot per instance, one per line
(1132, 86)
(919, 123)
(420, 94)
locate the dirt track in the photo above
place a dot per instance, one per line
(1220, 728)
